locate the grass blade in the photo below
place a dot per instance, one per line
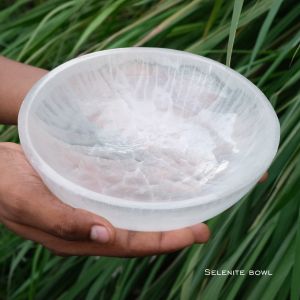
(264, 31)
(237, 8)
(104, 13)
(182, 13)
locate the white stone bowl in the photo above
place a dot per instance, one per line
(151, 139)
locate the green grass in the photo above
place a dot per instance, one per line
(259, 39)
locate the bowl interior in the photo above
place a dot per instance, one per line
(152, 125)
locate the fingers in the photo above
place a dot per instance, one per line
(264, 177)
(35, 235)
(141, 243)
(126, 244)
(56, 245)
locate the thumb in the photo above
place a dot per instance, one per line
(66, 222)
(72, 223)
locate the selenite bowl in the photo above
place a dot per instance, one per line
(151, 139)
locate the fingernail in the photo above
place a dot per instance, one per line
(99, 234)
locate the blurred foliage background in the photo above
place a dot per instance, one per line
(260, 39)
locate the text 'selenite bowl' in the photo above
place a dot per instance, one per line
(151, 139)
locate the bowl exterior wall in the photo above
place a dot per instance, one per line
(161, 217)
(147, 219)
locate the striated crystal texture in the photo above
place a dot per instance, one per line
(149, 138)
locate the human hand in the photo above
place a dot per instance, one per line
(30, 210)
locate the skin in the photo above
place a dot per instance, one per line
(62, 229)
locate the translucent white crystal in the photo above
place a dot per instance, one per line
(149, 126)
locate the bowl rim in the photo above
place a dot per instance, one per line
(43, 168)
